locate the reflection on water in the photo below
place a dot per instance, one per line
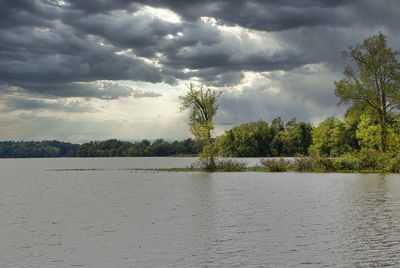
(120, 218)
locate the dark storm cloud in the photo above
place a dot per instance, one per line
(97, 90)
(46, 60)
(263, 15)
(140, 32)
(100, 6)
(53, 47)
(18, 104)
(22, 13)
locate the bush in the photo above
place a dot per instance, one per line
(394, 165)
(275, 165)
(303, 164)
(230, 165)
(346, 162)
(369, 158)
(323, 164)
(204, 164)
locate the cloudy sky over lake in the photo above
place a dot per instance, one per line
(79, 70)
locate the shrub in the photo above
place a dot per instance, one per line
(323, 164)
(303, 164)
(203, 164)
(346, 162)
(394, 165)
(230, 165)
(369, 158)
(275, 165)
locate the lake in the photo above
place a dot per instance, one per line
(95, 212)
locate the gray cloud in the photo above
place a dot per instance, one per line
(18, 99)
(269, 15)
(18, 104)
(53, 50)
(45, 43)
(98, 90)
(303, 94)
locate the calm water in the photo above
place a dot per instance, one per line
(113, 217)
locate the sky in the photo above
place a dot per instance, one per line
(76, 70)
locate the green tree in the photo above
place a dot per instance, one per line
(368, 134)
(282, 144)
(202, 103)
(300, 135)
(372, 82)
(331, 138)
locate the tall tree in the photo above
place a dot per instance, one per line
(373, 81)
(202, 103)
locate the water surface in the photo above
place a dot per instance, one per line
(114, 217)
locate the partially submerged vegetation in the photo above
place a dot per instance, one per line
(342, 164)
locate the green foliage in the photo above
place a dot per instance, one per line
(323, 164)
(300, 135)
(109, 148)
(252, 139)
(303, 164)
(275, 165)
(368, 132)
(229, 165)
(202, 104)
(369, 158)
(394, 165)
(372, 83)
(282, 144)
(331, 138)
(346, 162)
(159, 147)
(259, 139)
(11, 149)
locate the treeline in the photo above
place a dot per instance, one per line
(19, 149)
(259, 139)
(358, 133)
(109, 148)
(159, 147)
(256, 139)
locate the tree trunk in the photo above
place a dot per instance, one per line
(383, 134)
(212, 166)
(210, 154)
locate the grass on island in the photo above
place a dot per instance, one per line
(252, 169)
(343, 164)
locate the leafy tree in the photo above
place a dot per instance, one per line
(368, 134)
(331, 138)
(202, 103)
(260, 139)
(300, 135)
(282, 144)
(373, 82)
(277, 124)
